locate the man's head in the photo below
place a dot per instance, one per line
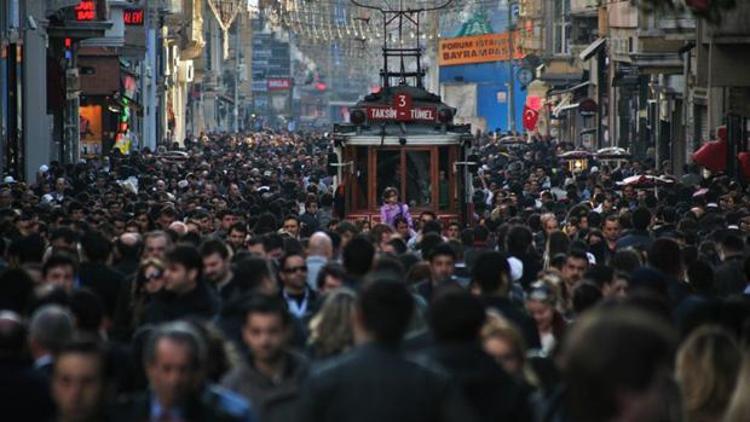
(78, 381)
(174, 358)
(618, 366)
(293, 273)
(267, 327)
(184, 268)
(236, 236)
(491, 274)
(611, 228)
(129, 245)
(216, 261)
(156, 245)
(320, 244)
(96, 247)
(665, 255)
(384, 309)
(228, 218)
(291, 226)
(59, 270)
(576, 265)
(50, 328)
(641, 219)
(454, 231)
(358, 256)
(456, 316)
(442, 262)
(731, 245)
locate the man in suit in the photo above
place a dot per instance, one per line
(175, 361)
(375, 382)
(50, 328)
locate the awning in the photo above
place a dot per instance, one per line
(564, 106)
(571, 89)
(587, 131)
(589, 51)
(562, 79)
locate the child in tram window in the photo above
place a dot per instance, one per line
(392, 208)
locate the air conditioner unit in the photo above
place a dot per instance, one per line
(186, 72)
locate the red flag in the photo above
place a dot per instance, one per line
(530, 117)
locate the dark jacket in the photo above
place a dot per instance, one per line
(640, 240)
(524, 323)
(201, 302)
(494, 395)
(374, 383)
(104, 281)
(213, 404)
(273, 400)
(730, 276)
(24, 393)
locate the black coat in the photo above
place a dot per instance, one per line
(24, 393)
(202, 302)
(212, 405)
(730, 276)
(494, 395)
(374, 383)
(104, 281)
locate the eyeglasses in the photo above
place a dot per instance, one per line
(153, 276)
(292, 270)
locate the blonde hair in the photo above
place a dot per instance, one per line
(331, 328)
(499, 327)
(706, 369)
(738, 409)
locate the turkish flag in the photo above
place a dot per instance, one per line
(530, 117)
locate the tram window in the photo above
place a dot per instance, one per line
(389, 172)
(418, 189)
(444, 194)
(360, 202)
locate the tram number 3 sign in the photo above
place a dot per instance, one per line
(402, 110)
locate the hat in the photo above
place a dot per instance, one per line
(43, 168)
(9, 180)
(182, 184)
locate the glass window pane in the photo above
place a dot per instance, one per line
(389, 173)
(361, 171)
(444, 194)
(418, 189)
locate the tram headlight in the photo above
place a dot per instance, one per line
(357, 117)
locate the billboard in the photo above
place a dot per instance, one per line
(478, 49)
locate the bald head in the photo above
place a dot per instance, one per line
(320, 244)
(130, 239)
(179, 227)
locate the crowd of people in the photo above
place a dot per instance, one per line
(220, 281)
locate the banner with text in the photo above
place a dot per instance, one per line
(478, 49)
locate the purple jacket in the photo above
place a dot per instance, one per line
(388, 213)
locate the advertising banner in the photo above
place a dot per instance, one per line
(478, 49)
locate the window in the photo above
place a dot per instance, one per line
(418, 192)
(561, 27)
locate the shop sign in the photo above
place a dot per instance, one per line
(133, 17)
(279, 84)
(85, 11)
